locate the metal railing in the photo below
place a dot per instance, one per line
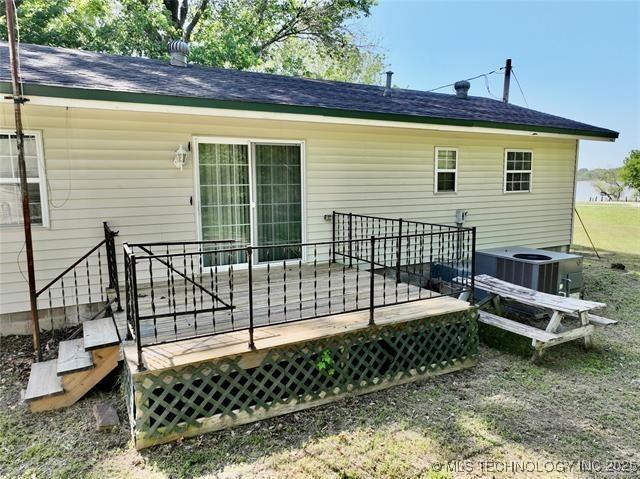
(178, 291)
(71, 296)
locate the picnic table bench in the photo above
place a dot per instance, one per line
(557, 308)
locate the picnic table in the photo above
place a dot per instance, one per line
(557, 308)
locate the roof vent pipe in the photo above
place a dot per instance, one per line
(179, 51)
(387, 88)
(462, 88)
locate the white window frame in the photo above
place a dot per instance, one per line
(250, 143)
(41, 180)
(530, 170)
(445, 170)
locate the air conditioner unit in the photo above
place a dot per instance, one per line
(542, 270)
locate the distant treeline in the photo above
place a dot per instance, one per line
(584, 174)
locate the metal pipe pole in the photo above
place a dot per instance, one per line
(18, 100)
(507, 81)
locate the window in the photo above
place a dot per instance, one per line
(446, 170)
(10, 201)
(517, 177)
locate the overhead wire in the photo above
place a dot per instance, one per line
(520, 88)
(497, 70)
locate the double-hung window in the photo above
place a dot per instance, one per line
(517, 171)
(446, 180)
(10, 198)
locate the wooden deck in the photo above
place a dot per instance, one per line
(204, 384)
(232, 343)
(279, 295)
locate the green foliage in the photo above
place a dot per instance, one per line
(631, 170)
(293, 37)
(608, 182)
(325, 362)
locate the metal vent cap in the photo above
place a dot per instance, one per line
(179, 51)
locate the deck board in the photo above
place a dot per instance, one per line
(311, 291)
(195, 350)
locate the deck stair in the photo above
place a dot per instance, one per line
(81, 364)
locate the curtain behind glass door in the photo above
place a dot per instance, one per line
(224, 196)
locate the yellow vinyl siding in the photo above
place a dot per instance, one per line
(116, 166)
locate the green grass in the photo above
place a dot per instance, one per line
(612, 227)
(571, 405)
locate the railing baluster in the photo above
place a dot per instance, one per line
(51, 310)
(77, 295)
(168, 281)
(315, 281)
(332, 249)
(472, 297)
(173, 296)
(102, 294)
(332, 258)
(153, 300)
(350, 240)
(212, 286)
(184, 266)
(193, 297)
(372, 280)
(231, 289)
(398, 251)
(300, 287)
(268, 286)
(250, 270)
(284, 287)
(88, 283)
(136, 312)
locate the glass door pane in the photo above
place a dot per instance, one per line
(278, 200)
(224, 197)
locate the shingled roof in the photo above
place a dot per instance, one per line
(61, 72)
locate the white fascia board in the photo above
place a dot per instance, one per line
(260, 115)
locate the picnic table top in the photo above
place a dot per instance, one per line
(534, 298)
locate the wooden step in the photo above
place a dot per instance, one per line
(99, 333)
(73, 357)
(43, 381)
(79, 383)
(516, 327)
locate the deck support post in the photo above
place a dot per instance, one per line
(252, 344)
(371, 281)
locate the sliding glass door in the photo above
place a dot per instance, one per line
(252, 193)
(278, 200)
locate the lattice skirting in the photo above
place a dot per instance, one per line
(190, 400)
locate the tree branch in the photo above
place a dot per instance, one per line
(194, 21)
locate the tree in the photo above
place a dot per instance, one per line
(631, 170)
(302, 37)
(608, 182)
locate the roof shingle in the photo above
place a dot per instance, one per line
(78, 69)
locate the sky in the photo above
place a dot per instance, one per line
(579, 60)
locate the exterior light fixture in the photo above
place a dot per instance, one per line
(181, 157)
